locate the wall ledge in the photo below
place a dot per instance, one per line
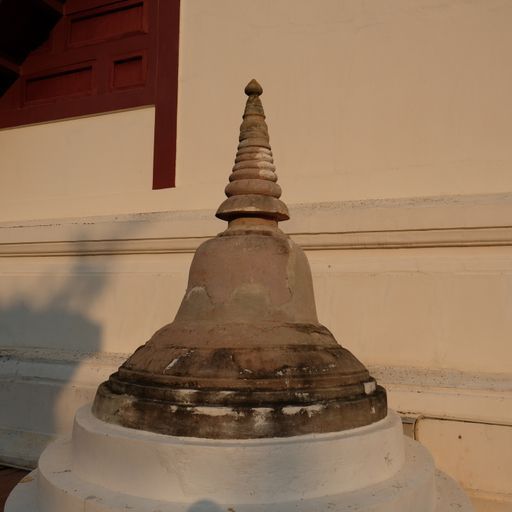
(445, 221)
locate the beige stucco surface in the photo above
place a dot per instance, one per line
(364, 100)
(77, 166)
(436, 308)
(464, 437)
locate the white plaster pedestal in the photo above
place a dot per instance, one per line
(107, 468)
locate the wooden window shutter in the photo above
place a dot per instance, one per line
(103, 56)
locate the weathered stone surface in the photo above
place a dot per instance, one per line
(245, 356)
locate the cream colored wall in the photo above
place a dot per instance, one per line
(77, 167)
(366, 101)
(394, 98)
(402, 283)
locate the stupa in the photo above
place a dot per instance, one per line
(245, 402)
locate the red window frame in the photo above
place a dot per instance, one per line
(123, 55)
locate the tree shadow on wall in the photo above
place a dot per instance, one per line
(46, 332)
(52, 316)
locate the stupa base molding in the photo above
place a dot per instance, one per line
(239, 420)
(369, 469)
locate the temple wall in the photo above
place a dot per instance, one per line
(365, 100)
(391, 125)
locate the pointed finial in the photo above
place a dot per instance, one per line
(253, 88)
(253, 191)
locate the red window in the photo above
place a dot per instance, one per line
(103, 56)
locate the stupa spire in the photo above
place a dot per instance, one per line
(245, 356)
(252, 190)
